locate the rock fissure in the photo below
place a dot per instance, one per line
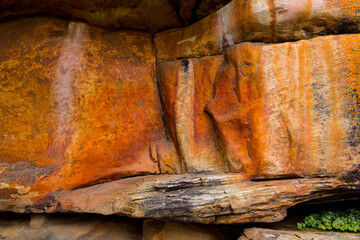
(232, 119)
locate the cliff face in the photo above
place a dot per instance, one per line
(259, 90)
(267, 110)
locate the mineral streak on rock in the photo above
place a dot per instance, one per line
(72, 97)
(277, 110)
(186, 87)
(259, 21)
(260, 90)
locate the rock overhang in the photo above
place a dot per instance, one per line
(264, 111)
(151, 16)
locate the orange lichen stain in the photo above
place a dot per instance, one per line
(118, 113)
(303, 161)
(29, 51)
(85, 101)
(204, 142)
(336, 133)
(351, 83)
(168, 86)
(349, 7)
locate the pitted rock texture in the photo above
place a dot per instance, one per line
(79, 102)
(259, 21)
(269, 110)
(82, 107)
(202, 198)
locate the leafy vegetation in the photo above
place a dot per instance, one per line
(333, 220)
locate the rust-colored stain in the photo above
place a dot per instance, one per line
(80, 105)
(349, 7)
(277, 110)
(186, 88)
(79, 98)
(350, 86)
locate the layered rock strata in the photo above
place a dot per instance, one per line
(258, 21)
(82, 106)
(212, 198)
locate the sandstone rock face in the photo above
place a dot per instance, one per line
(259, 90)
(186, 87)
(203, 198)
(278, 110)
(72, 97)
(259, 21)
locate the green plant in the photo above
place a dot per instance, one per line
(329, 220)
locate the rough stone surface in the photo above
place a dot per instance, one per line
(216, 113)
(210, 198)
(259, 21)
(269, 110)
(78, 105)
(268, 234)
(151, 16)
(186, 87)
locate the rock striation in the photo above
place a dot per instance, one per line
(233, 119)
(211, 198)
(269, 110)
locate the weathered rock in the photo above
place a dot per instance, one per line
(151, 16)
(134, 14)
(68, 227)
(186, 87)
(81, 106)
(268, 234)
(78, 105)
(277, 110)
(212, 198)
(193, 10)
(260, 21)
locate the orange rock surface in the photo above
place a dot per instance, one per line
(186, 87)
(259, 21)
(78, 101)
(258, 90)
(285, 109)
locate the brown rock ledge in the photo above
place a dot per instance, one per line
(216, 198)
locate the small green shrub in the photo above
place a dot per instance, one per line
(333, 220)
